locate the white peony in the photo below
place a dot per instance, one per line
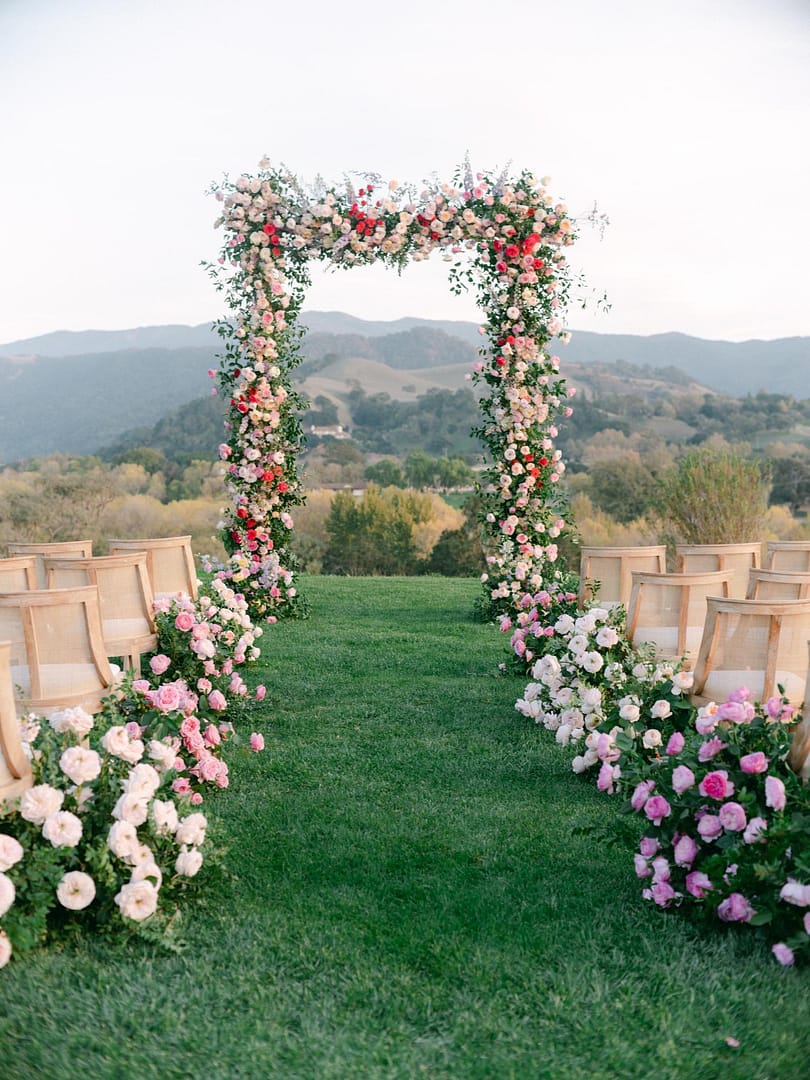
(143, 781)
(39, 802)
(191, 830)
(63, 829)
(122, 839)
(7, 894)
(164, 815)
(76, 890)
(5, 949)
(11, 851)
(137, 900)
(74, 721)
(188, 862)
(79, 764)
(131, 808)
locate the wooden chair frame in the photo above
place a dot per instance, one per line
(155, 545)
(775, 548)
(759, 577)
(723, 553)
(641, 580)
(15, 769)
(799, 754)
(27, 564)
(626, 556)
(63, 549)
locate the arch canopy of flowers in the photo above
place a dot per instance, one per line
(506, 238)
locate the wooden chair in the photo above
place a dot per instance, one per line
(65, 549)
(125, 596)
(669, 610)
(169, 562)
(788, 555)
(15, 770)
(703, 558)
(57, 648)
(612, 568)
(755, 643)
(799, 755)
(775, 585)
(18, 574)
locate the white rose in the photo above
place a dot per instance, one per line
(592, 661)
(137, 900)
(607, 637)
(75, 721)
(147, 869)
(79, 764)
(5, 949)
(122, 839)
(132, 809)
(661, 709)
(7, 894)
(141, 853)
(564, 625)
(63, 829)
(578, 644)
(162, 753)
(39, 802)
(164, 815)
(11, 851)
(591, 699)
(585, 624)
(630, 712)
(683, 680)
(651, 738)
(191, 830)
(563, 734)
(76, 890)
(118, 743)
(143, 781)
(578, 764)
(188, 862)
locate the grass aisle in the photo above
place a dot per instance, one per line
(407, 898)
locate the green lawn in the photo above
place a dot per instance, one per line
(406, 897)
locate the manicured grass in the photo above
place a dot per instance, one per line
(406, 896)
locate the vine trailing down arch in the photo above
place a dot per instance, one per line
(505, 237)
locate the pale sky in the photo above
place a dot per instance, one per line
(686, 121)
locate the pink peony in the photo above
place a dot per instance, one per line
(641, 794)
(685, 851)
(698, 884)
(732, 817)
(216, 699)
(783, 954)
(709, 827)
(649, 846)
(710, 749)
(682, 779)
(716, 785)
(657, 808)
(184, 621)
(256, 742)
(159, 664)
(775, 796)
(754, 828)
(735, 908)
(754, 763)
(663, 893)
(675, 744)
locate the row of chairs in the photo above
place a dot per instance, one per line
(65, 614)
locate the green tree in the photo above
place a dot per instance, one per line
(370, 535)
(386, 473)
(623, 487)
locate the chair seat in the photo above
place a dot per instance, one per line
(67, 681)
(665, 638)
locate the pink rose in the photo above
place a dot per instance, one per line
(196, 798)
(204, 686)
(260, 692)
(737, 712)
(705, 724)
(657, 808)
(190, 726)
(212, 736)
(675, 744)
(710, 749)
(806, 923)
(685, 851)
(194, 742)
(182, 785)
(698, 884)
(663, 893)
(716, 785)
(754, 763)
(709, 827)
(783, 954)
(141, 686)
(604, 781)
(166, 698)
(216, 699)
(732, 817)
(207, 768)
(642, 867)
(735, 908)
(649, 846)
(641, 794)
(682, 779)
(661, 871)
(775, 796)
(795, 893)
(753, 829)
(159, 664)
(184, 621)
(256, 742)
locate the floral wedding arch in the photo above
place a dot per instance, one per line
(505, 237)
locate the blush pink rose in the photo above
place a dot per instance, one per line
(753, 830)
(783, 953)
(641, 793)
(216, 699)
(737, 712)
(184, 621)
(260, 692)
(754, 763)
(682, 779)
(716, 785)
(649, 846)
(166, 698)
(663, 893)
(642, 866)
(698, 884)
(256, 742)
(685, 851)
(657, 808)
(190, 726)
(212, 735)
(710, 749)
(775, 796)
(675, 744)
(732, 817)
(182, 785)
(159, 664)
(709, 827)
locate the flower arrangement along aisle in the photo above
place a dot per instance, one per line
(506, 237)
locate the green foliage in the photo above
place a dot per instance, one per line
(386, 473)
(459, 552)
(439, 423)
(623, 487)
(374, 534)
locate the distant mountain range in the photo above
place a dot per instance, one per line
(75, 392)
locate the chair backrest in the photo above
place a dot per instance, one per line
(18, 574)
(125, 596)
(799, 755)
(760, 644)
(612, 568)
(702, 558)
(169, 561)
(57, 647)
(669, 610)
(15, 770)
(776, 585)
(64, 549)
(788, 555)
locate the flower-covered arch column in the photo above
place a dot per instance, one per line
(504, 237)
